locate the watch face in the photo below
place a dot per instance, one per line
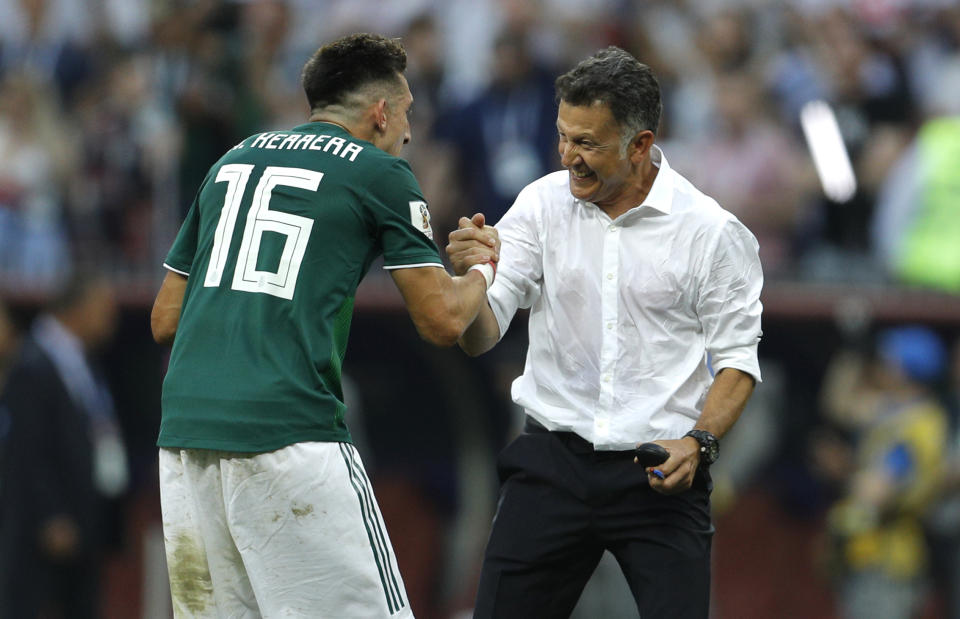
(709, 446)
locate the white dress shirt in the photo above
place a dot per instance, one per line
(624, 312)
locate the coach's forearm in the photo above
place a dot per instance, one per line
(482, 334)
(725, 401)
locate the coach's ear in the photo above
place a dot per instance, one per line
(640, 146)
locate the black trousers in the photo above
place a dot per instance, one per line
(562, 504)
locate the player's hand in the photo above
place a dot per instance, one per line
(472, 243)
(679, 469)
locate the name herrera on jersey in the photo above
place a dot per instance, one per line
(305, 141)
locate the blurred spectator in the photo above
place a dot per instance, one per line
(63, 456)
(425, 69)
(917, 225)
(506, 137)
(8, 344)
(752, 167)
(890, 475)
(37, 150)
(48, 39)
(943, 524)
(111, 201)
(866, 84)
(433, 161)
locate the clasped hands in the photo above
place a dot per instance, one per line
(472, 243)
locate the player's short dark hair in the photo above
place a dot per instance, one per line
(348, 64)
(617, 79)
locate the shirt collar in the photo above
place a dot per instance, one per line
(320, 125)
(660, 196)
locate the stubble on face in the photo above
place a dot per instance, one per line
(589, 146)
(398, 121)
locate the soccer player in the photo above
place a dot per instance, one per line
(266, 506)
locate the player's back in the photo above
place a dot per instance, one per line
(282, 231)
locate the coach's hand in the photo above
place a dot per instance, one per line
(679, 469)
(473, 243)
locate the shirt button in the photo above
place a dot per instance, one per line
(611, 227)
(609, 275)
(609, 325)
(606, 378)
(602, 424)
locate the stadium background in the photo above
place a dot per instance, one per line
(111, 112)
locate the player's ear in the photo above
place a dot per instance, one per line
(380, 115)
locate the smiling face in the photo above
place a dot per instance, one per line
(590, 149)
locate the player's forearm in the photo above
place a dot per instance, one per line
(165, 315)
(725, 401)
(163, 324)
(482, 334)
(451, 309)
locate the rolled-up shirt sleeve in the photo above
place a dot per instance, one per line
(729, 301)
(520, 269)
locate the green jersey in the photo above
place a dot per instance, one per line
(280, 234)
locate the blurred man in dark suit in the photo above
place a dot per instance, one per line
(62, 457)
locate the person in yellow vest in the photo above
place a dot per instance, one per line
(899, 431)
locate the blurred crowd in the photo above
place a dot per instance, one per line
(111, 112)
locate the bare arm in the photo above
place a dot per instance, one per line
(165, 316)
(725, 401)
(482, 335)
(441, 306)
(468, 246)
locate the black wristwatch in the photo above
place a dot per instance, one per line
(709, 446)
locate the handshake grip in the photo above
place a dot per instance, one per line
(651, 454)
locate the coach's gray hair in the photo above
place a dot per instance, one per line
(615, 78)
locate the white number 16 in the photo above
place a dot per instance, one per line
(261, 219)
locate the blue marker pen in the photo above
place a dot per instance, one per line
(658, 473)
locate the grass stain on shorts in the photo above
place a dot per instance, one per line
(190, 583)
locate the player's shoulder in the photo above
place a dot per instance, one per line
(310, 141)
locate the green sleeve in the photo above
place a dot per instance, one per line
(402, 218)
(182, 253)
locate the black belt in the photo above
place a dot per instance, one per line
(574, 442)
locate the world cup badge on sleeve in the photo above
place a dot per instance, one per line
(420, 218)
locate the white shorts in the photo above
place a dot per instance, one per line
(289, 533)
